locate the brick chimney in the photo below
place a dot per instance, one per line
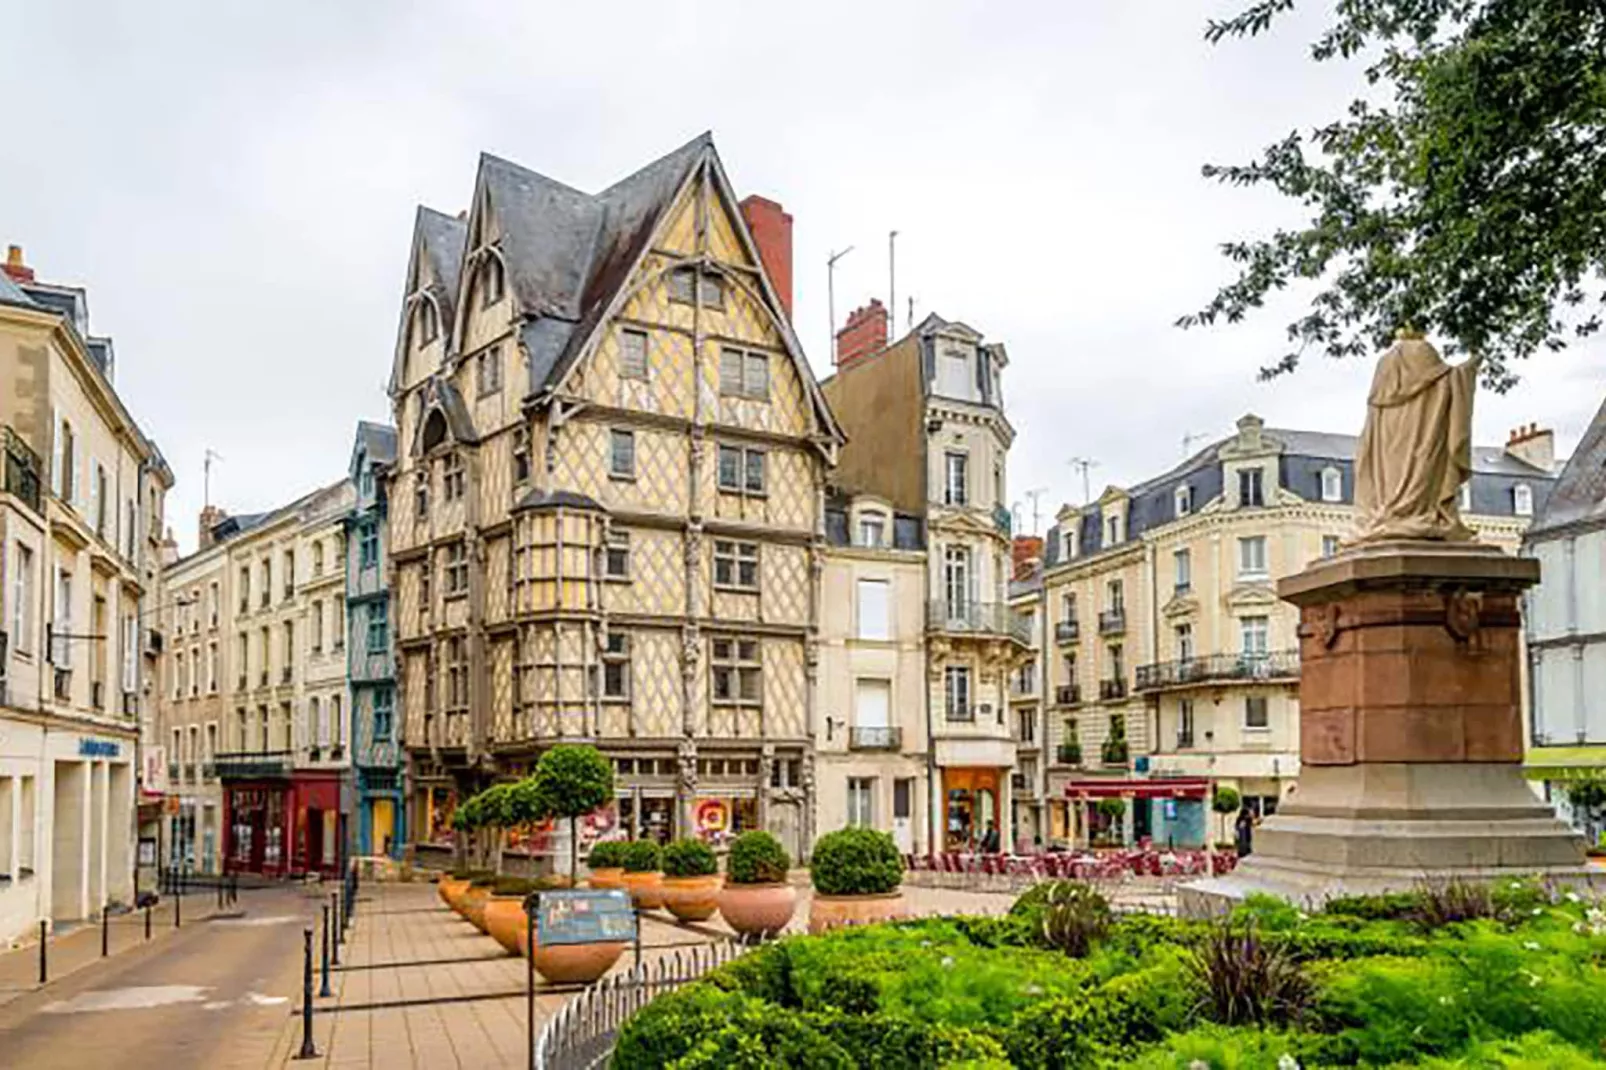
(211, 517)
(1534, 444)
(14, 266)
(771, 227)
(1027, 554)
(864, 333)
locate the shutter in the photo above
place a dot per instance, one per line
(873, 607)
(872, 704)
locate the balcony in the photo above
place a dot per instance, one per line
(1068, 754)
(962, 714)
(1068, 695)
(1112, 621)
(1280, 665)
(1114, 752)
(874, 737)
(1110, 690)
(189, 772)
(977, 618)
(23, 470)
(172, 771)
(1068, 631)
(247, 765)
(209, 771)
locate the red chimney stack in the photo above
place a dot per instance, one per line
(864, 333)
(771, 228)
(14, 265)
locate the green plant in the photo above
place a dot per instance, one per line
(643, 856)
(856, 861)
(519, 886)
(1247, 980)
(1113, 809)
(1075, 917)
(1114, 751)
(571, 780)
(1439, 903)
(607, 854)
(1225, 800)
(690, 858)
(756, 857)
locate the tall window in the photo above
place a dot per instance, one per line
(319, 716)
(735, 564)
(211, 669)
(378, 627)
(616, 556)
(289, 649)
(1115, 594)
(456, 568)
(1252, 556)
(421, 494)
(521, 454)
(429, 327)
(1256, 714)
(66, 464)
(337, 624)
(861, 790)
(1184, 499)
(383, 716)
(488, 371)
(368, 544)
(622, 454)
(1068, 606)
(1184, 636)
(267, 584)
(1250, 489)
(1182, 570)
(1254, 633)
(956, 485)
(1522, 500)
(874, 609)
(213, 602)
(490, 281)
(1329, 545)
(22, 587)
(1117, 663)
(741, 469)
(956, 579)
(317, 557)
(1185, 724)
(1112, 529)
(61, 656)
(245, 589)
(316, 637)
(737, 671)
(745, 374)
(1332, 485)
(289, 574)
(452, 477)
(872, 530)
(99, 505)
(632, 354)
(337, 719)
(956, 681)
(456, 673)
(616, 666)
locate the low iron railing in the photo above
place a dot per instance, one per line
(977, 618)
(875, 737)
(1219, 668)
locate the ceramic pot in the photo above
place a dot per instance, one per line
(835, 911)
(474, 901)
(505, 920)
(607, 877)
(692, 898)
(757, 908)
(570, 963)
(646, 889)
(451, 891)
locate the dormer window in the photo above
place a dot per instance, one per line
(490, 281)
(1251, 488)
(1072, 543)
(1522, 500)
(872, 530)
(1463, 498)
(1332, 485)
(429, 327)
(1184, 499)
(1112, 529)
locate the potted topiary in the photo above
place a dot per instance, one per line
(564, 963)
(643, 876)
(1225, 801)
(691, 880)
(858, 874)
(756, 898)
(571, 780)
(1113, 810)
(607, 864)
(504, 910)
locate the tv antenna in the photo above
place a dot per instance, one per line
(1033, 496)
(1189, 439)
(206, 475)
(1084, 464)
(830, 296)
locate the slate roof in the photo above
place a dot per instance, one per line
(1579, 496)
(556, 499)
(378, 441)
(12, 294)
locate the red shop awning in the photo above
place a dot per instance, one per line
(1182, 787)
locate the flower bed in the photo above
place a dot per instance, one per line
(1444, 977)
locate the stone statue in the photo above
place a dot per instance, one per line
(1416, 448)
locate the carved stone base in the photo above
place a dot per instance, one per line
(1410, 733)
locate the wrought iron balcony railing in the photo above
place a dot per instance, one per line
(977, 618)
(1219, 668)
(1112, 621)
(1068, 754)
(242, 765)
(875, 737)
(1112, 689)
(1068, 695)
(1068, 631)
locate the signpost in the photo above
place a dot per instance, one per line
(574, 916)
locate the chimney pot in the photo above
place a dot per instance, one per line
(771, 228)
(864, 334)
(15, 266)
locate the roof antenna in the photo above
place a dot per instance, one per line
(1084, 463)
(892, 279)
(830, 296)
(206, 476)
(1189, 439)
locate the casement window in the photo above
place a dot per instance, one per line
(710, 287)
(456, 673)
(956, 483)
(1329, 545)
(1115, 596)
(22, 588)
(488, 371)
(622, 454)
(378, 627)
(872, 530)
(874, 609)
(616, 556)
(1251, 489)
(861, 796)
(1182, 570)
(421, 495)
(426, 576)
(317, 558)
(384, 719)
(1256, 714)
(735, 564)
(1112, 530)
(1184, 639)
(743, 373)
(1254, 635)
(491, 281)
(316, 631)
(1522, 500)
(1184, 499)
(97, 508)
(267, 583)
(367, 544)
(521, 455)
(1252, 556)
(456, 568)
(738, 674)
(1332, 487)
(337, 625)
(616, 666)
(632, 354)
(452, 478)
(741, 470)
(956, 683)
(289, 574)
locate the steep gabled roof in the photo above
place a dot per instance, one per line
(1579, 496)
(438, 239)
(377, 442)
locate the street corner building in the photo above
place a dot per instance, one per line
(80, 520)
(606, 509)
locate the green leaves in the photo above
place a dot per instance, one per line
(856, 861)
(1471, 204)
(690, 858)
(571, 780)
(756, 857)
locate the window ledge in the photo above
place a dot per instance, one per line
(735, 589)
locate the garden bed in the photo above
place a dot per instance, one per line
(1440, 978)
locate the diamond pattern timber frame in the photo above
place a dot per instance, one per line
(657, 584)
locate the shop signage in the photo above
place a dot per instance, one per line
(584, 916)
(99, 748)
(712, 815)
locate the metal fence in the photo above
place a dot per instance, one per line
(582, 1035)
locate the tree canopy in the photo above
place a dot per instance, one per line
(1464, 196)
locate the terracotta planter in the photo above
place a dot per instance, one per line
(607, 877)
(451, 891)
(835, 911)
(646, 889)
(474, 901)
(505, 920)
(571, 963)
(757, 908)
(692, 898)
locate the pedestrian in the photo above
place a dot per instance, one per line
(1244, 826)
(989, 840)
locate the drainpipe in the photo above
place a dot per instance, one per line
(934, 815)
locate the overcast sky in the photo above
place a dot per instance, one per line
(235, 185)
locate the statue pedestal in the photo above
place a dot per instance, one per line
(1410, 733)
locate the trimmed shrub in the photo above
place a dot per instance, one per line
(643, 856)
(1225, 800)
(1111, 808)
(756, 857)
(607, 854)
(690, 858)
(856, 861)
(570, 780)
(519, 886)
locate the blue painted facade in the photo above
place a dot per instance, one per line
(371, 664)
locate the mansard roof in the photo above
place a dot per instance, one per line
(1579, 496)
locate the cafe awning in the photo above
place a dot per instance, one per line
(1182, 787)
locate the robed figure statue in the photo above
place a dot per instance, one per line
(1416, 448)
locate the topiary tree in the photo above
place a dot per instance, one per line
(1112, 809)
(642, 856)
(1225, 801)
(856, 861)
(756, 857)
(571, 780)
(690, 858)
(607, 854)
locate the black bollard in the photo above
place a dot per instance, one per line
(234, 887)
(105, 932)
(307, 1049)
(220, 894)
(323, 992)
(334, 912)
(529, 975)
(44, 968)
(177, 911)
(147, 921)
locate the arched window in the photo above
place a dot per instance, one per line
(1522, 500)
(1332, 485)
(490, 281)
(429, 327)
(434, 430)
(1184, 500)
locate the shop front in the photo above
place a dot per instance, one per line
(319, 844)
(257, 822)
(972, 802)
(1167, 811)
